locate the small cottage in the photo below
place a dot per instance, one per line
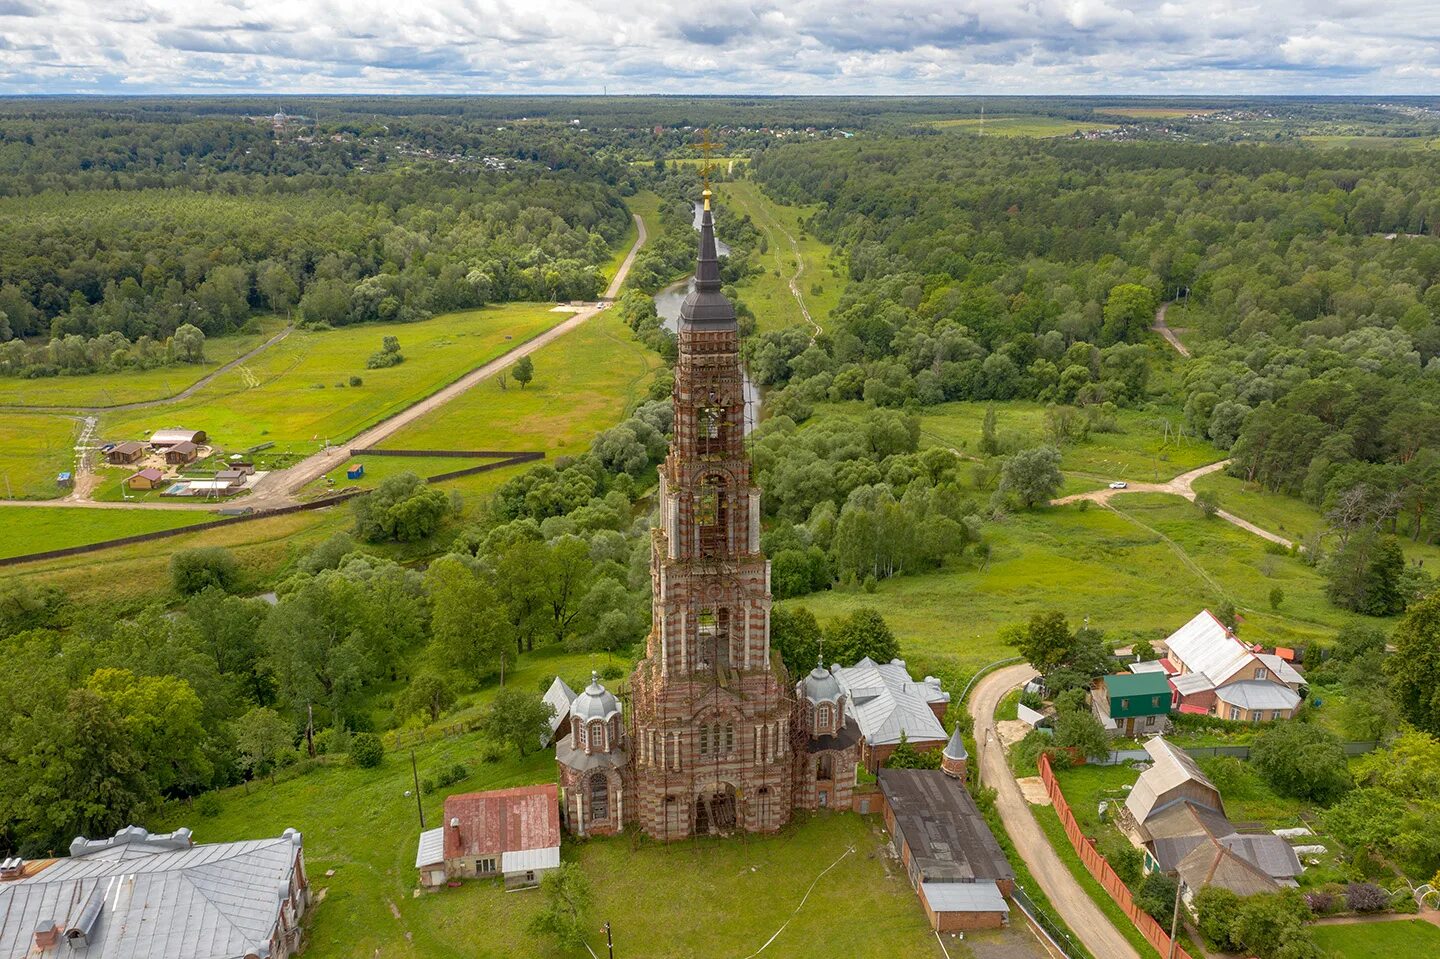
(1132, 704)
(148, 478)
(509, 833)
(123, 454)
(182, 453)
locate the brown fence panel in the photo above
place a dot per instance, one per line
(454, 454)
(1098, 867)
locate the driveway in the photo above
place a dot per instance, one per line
(1077, 909)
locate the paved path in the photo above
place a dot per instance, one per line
(281, 487)
(1077, 909)
(1168, 333)
(184, 394)
(1179, 486)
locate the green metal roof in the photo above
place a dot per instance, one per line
(1137, 684)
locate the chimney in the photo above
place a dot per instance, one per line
(455, 822)
(12, 869)
(47, 934)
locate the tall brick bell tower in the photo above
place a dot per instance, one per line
(712, 737)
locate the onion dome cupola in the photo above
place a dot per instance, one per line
(595, 725)
(824, 701)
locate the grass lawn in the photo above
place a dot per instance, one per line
(768, 293)
(296, 394)
(1014, 126)
(25, 529)
(34, 449)
(361, 824)
(110, 389)
(1141, 451)
(1378, 940)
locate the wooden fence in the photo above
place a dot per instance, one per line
(1098, 867)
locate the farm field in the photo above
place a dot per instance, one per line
(34, 448)
(1378, 940)
(296, 395)
(1155, 113)
(768, 294)
(1141, 449)
(1014, 126)
(25, 529)
(864, 906)
(1097, 563)
(110, 389)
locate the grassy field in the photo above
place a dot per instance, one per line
(25, 529)
(1014, 126)
(110, 389)
(34, 448)
(1141, 451)
(1143, 571)
(739, 891)
(1378, 940)
(296, 394)
(609, 269)
(768, 293)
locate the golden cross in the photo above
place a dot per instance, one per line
(707, 147)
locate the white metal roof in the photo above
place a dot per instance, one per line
(1258, 694)
(1150, 666)
(1172, 767)
(1204, 645)
(431, 851)
(1189, 683)
(559, 696)
(523, 860)
(1282, 670)
(885, 702)
(982, 896)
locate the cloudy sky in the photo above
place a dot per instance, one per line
(780, 46)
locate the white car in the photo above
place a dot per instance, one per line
(1118, 484)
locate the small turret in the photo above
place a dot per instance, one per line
(954, 761)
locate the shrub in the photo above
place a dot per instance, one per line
(192, 570)
(1157, 897)
(1320, 902)
(1366, 897)
(612, 671)
(366, 750)
(356, 381)
(207, 806)
(1127, 862)
(1215, 909)
(491, 752)
(1302, 760)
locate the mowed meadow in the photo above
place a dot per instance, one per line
(791, 254)
(297, 394)
(34, 449)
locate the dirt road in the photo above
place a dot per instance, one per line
(280, 488)
(794, 281)
(1077, 909)
(1179, 486)
(1168, 333)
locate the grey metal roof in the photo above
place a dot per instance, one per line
(520, 860)
(1280, 669)
(1171, 768)
(431, 850)
(1258, 694)
(161, 897)
(937, 819)
(1271, 854)
(821, 686)
(885, 701)
(559, 697)
(705, 306)
(955, 749)
(982, 896)
(596, 702)
(1149, 666)
(1187, 684)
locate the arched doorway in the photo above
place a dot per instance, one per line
(715, 811)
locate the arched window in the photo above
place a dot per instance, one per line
(704, 738)
(823, 718)
(597, 735)
(825, 767)
(729, 737)
(581, 738)
(599, 797)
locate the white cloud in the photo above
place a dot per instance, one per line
(720, 46)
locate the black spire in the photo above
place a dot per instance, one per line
(706, 306)
(707, 267)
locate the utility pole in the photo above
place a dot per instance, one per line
(609, 942)
(419, 806)
(1175, 919)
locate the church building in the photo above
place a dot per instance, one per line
(716, 739)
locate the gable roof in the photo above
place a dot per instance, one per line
(502, 820)
(886, 701)
(1204, 645)
(1171, 768)
(559, 696)
(1258, 694)
(936, 817)
(150, 895)
(1280, 668)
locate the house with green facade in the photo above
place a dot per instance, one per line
(1132, 704)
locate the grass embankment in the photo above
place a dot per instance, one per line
(34, 449)
(1015, 126)
(1378, 940)
(112, 389)
(297, 394)
(791, 254)
(740, 890)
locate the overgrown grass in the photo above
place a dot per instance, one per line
(297, 394)
(111, 389)
(738, 891)
(34, 449)
(808, 262)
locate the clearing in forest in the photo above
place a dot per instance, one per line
(799, 274)
(1014, 126)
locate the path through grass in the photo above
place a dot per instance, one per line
(807, 261)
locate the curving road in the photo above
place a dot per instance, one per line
(1181, 485)
(1169, 334)
(281, 487)
(1077, 909)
